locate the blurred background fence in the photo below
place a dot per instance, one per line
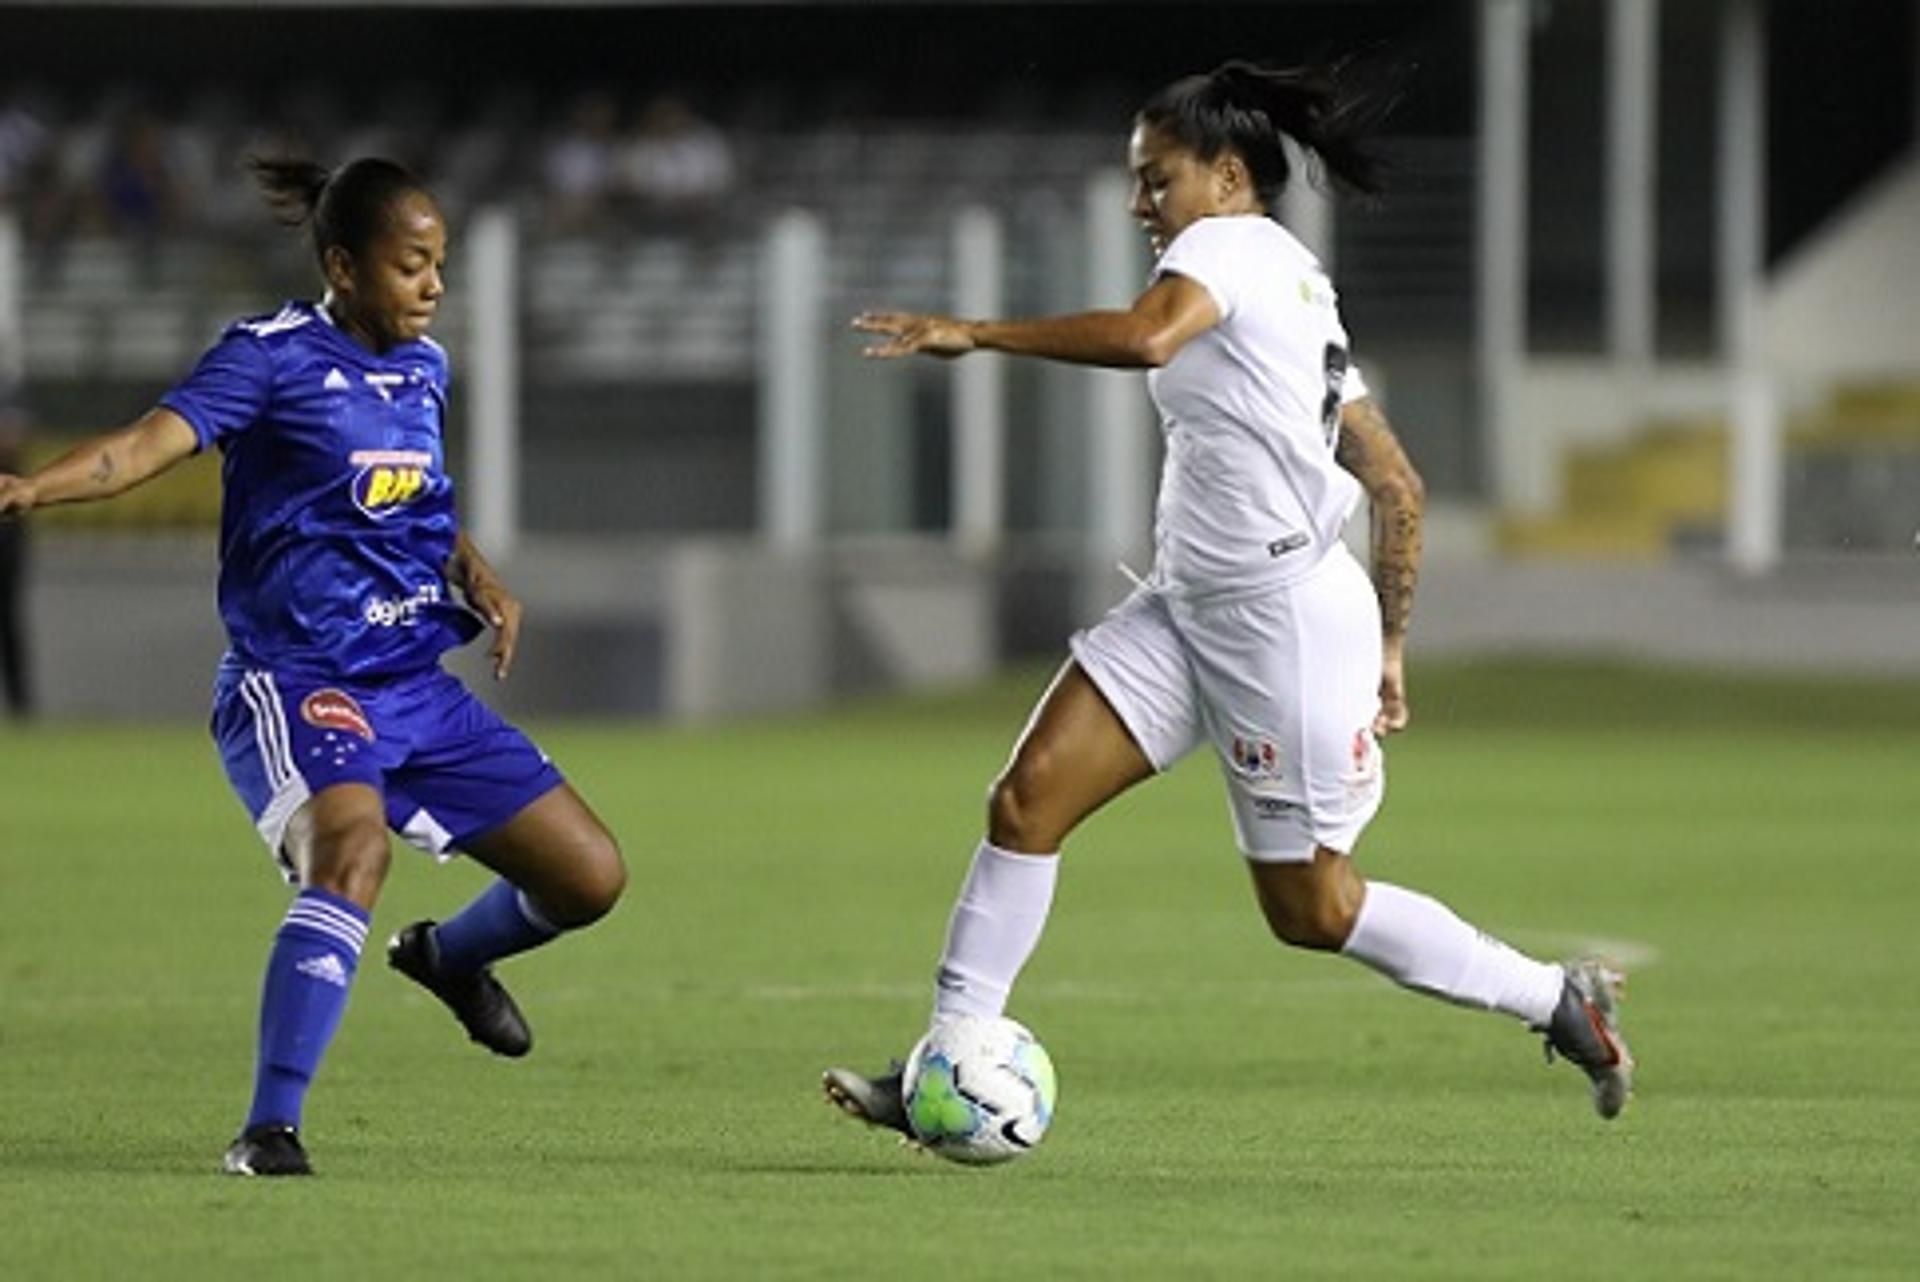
(1643, 299)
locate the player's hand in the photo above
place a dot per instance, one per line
(908, 332)
(17, 495)
(1394, 713)
(492, 602)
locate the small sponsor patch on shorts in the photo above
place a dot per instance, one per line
(332, 709)
(1274, 808)
(1366, 756)
(1363, 782)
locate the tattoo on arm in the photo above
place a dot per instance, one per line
(1369, 450)
(104, 469)
(1396, 565)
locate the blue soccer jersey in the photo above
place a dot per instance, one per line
(338, 516)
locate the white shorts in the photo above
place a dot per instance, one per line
(1286, 685)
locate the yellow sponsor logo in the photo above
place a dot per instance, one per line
(379, 488)
(389, 485)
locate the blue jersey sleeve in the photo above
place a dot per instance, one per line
(227, 391)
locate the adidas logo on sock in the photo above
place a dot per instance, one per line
(326, 966)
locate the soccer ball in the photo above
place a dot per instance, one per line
(979, 1090)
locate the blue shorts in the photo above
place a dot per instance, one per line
(449, 767)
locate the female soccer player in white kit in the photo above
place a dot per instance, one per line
(1257, 631)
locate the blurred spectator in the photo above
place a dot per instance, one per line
(404, 125)
(308, 117)
(204, 155)
(28, 163)
(677, 167)
(578, 168)
(138, 194)
(478, 158)
(13, 550)
(22, 137)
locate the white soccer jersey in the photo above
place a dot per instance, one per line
(1250, 494)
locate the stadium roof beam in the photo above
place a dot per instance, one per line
(1755, 480)
(1120, 424)
(1633, 27)
(792, 444)
(978, 388)
(493, 421)
(1521, 457)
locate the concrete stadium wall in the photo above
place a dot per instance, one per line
(123, 627)
(698, 630)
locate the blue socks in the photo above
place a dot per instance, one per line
(314, 957)
(311, 967)
(499, 923)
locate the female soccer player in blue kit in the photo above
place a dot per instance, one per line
(340, 557)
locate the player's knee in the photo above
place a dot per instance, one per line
(607, 879)
(349, 859)
(1017, 817)
(598, 879)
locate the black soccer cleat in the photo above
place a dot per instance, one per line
(477, 1000)
(1585, 1030)
(878, 1101)
(271, 1149)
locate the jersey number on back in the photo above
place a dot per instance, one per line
(1334, 361)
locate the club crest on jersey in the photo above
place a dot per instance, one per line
(388, 480)
(332, 709)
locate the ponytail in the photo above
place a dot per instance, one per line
(1253, 109)
(346, 207)
(291, 187)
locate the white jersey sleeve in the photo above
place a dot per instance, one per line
(1206, 260)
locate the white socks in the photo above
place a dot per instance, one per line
(995, 927)
(1411, 939)
(1419, 943)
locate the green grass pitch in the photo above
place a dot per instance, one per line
(1228, 1108)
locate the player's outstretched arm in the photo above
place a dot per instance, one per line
(481, 584)
(1145, 336)
(103, 466)
(1369, 449)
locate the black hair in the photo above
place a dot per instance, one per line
(347, 207)
(1252, 109)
